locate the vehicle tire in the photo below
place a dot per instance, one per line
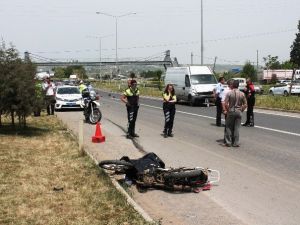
(119, 166)
(285, 93)
(271, 93)
(96, 116)
(185, 174)
(191, 101)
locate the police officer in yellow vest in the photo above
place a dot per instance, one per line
(169, 98)
(131, 98)
(82, 86)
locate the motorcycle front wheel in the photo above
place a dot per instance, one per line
(119, 166)
(95, 116)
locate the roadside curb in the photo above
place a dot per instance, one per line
(130, 200)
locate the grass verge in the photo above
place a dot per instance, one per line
(44, 180)
(291, 103)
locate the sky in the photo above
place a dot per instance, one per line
(234, 31)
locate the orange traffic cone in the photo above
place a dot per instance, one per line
(98, 134)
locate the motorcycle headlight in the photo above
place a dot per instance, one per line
(93, 95)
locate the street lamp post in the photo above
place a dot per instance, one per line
(100, 50)
(116, 17)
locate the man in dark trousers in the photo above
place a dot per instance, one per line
(218, 95)
(131, 98)
(49, 89)
(250, 96)
(235, 104)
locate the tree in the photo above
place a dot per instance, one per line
(16, 85)
(271, 62)
(59, 72)
(66, 72)
(295, 48)
(249, 71)
(287, 65)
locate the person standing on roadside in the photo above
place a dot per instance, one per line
(224, 93)
(49, 89)
(235, 104)
(218, 95)
(131, 98)
(169, 98)
(250, 96)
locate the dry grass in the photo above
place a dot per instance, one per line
(278, 102)
(43, 157)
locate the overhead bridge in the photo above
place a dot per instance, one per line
(53, 64)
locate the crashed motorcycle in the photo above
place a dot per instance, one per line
(150, 172)
(91, 110)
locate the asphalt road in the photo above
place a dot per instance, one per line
(259, 181)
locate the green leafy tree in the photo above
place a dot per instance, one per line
(287, 65)
(17, 86)
(227, 75)
(59, 72)
(249, 71)
(271, 62)
(295, 48)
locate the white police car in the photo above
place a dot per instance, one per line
(68, 97)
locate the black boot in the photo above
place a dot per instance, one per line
(170, 134)
(165, 133)
(251, 124)
(246, 124)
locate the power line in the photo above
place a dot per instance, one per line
(237, 37)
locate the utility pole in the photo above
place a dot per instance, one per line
(100, 50)
(215, 64)
(201, 32)
(257, 64)
(192, 61)
(100, 59)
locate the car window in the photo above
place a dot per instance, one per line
(71, 90)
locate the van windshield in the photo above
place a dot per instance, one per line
(203, 79)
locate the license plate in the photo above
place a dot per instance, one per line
(70, 103)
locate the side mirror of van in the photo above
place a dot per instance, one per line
(187, 81)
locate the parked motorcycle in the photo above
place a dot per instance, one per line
(91, 109)
(150, 172)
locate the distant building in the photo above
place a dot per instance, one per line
(279, 74)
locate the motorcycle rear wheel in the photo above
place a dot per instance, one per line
(119, 166)
(96, 116)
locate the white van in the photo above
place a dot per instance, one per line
(192, 83)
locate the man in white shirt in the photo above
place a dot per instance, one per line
(49, 89)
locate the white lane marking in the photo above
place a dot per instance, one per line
(285, 114)
(209, 117)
